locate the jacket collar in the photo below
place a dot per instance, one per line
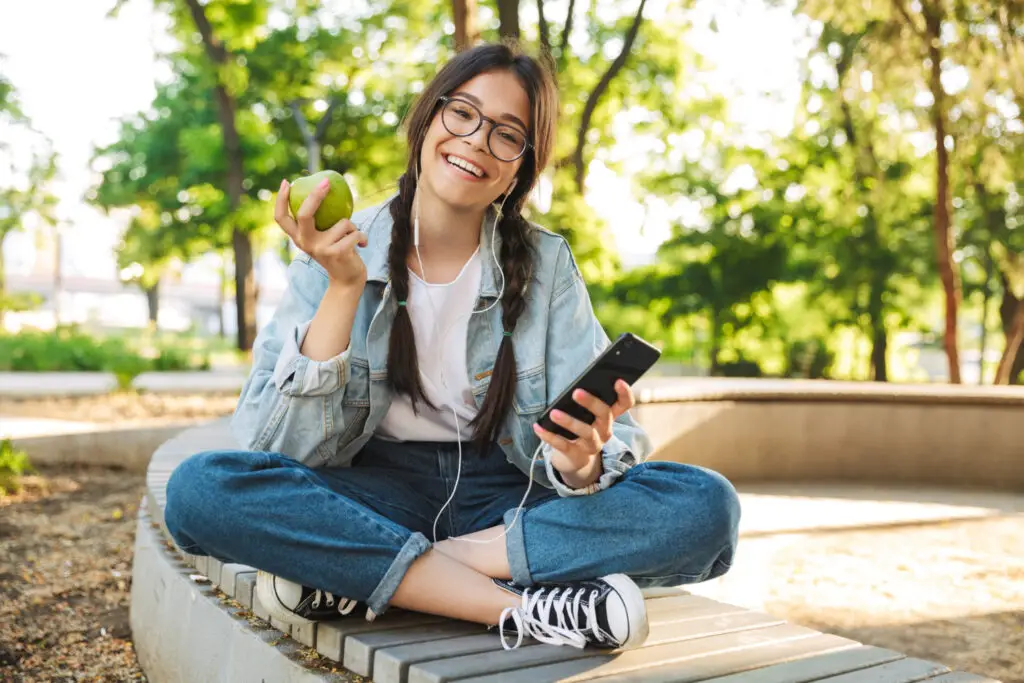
(379, 237)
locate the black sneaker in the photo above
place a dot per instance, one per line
(608, 613)
(296, 604)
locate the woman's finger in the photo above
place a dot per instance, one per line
(339, 230)
(626, 399)
(577, 427)
(599, 408)
(557, 442)
(282, 216)
(305, 215)
(345, 244)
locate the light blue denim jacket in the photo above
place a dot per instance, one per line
(321, 413)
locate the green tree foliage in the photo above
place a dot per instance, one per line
(28, 165)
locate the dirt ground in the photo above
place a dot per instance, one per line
(950, 591)
(65, 576)
(125, 407)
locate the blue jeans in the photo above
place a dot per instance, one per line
(354, 531)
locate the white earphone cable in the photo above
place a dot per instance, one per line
(440, 346)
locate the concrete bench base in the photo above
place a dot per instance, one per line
(195, 619)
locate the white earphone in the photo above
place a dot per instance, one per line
(440, 346)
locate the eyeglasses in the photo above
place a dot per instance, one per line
(462, 119)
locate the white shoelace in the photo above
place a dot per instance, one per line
(534, 617)
(345, 605)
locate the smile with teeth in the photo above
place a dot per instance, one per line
(465, 165)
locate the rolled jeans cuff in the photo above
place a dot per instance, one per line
(515, 546)
(415, 545)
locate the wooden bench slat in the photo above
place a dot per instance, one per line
(331, 636)
(694, 661)
(685, 607)
(814, 667)
(391, 664)
(961, 677)
(479, 665)
(687, 670)
(702, 627)
(901, 671)
(360, 648)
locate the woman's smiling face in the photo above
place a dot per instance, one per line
(462, 171)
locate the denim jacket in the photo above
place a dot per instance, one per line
(321, 413)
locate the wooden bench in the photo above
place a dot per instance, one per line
(192, 620)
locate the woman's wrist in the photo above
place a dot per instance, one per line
(586, 475)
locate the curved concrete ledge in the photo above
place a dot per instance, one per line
(129, 448)
(763, 430)
(195, 619)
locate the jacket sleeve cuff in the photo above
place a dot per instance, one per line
(297, 375)
(613, 466)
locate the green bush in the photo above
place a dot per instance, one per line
(13, 464)
(68, 349)
(742, 367)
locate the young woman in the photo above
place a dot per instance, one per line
(390, 418)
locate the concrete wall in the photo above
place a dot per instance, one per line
(769, 431)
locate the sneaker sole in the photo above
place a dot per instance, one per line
(636, 609)
(267, 595)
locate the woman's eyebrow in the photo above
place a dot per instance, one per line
(476, 100)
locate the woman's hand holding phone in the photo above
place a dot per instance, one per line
(579, 460)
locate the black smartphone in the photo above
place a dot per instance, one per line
(627, 359)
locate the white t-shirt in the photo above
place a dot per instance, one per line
(440, 316)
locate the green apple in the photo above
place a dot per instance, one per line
(335, 206)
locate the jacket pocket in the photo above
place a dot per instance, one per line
(531, 395)
(355, 403)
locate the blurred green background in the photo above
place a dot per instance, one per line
(858, 216)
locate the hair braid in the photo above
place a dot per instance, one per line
(403, 369)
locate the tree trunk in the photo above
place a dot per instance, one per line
(1014, 337)
(713, 363)
(576, 159)
(153, 302)
(245, 283)
(986, 298)
(866, 169)
(245, 290)
(464, 17)
(943, 202)
(542, 28)
(221, 297)
(508, 16)
(563, 43)
(1011, 314)
(879, 338)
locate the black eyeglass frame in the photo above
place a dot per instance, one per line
(445, 99)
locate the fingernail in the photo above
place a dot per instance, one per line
(324, 183)
(284, 183)
(557, 413)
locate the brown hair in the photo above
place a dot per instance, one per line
(516, 258)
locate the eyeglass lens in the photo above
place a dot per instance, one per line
(462, 118)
